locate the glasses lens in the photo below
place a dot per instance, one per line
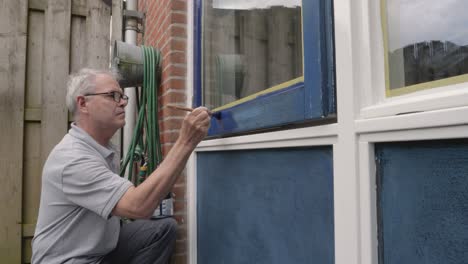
(117, 96)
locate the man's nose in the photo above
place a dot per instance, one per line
(123, 102)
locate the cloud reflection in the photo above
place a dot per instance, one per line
(414, 21)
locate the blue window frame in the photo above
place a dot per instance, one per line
(310, 98)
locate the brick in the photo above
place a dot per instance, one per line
(179, 5)
(178, 31)
(179, 259)
(167, 137)
(179, 44)
(175, 57)
(173, 84)
(174, 70)
(181, 180)
(172, 96)
(165, 45)
(173, 113)
(179, 218)
(181, 246)
(180, 191)
(180, 206)
(182, 232)
(163, 22)
(177, 17)
(172, 124)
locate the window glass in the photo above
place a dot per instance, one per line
(426, 44)
(249, 46)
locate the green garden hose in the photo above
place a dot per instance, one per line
(145, 146)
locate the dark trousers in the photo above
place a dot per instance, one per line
(144, 242)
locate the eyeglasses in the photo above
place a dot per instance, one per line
(115, 95)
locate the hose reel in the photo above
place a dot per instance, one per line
(141, 66)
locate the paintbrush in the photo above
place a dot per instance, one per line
(188, 109)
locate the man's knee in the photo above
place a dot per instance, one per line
(170, 225)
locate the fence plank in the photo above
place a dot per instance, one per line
(97, 24)
(34, 71)
(79, 8)
(37, 4)
(56, 67)
(13, 28)
(32, 127)
(78, 43)
(32, 174)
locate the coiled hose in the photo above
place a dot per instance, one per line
(145, 146)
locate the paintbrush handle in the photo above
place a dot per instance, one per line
(180, 108)
(188, 109)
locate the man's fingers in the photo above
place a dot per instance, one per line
(201, 117)
(200, 110)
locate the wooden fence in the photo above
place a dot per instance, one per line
(41, 42)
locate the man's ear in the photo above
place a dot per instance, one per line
(81, 104)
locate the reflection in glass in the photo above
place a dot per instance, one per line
(427, 40)
(249, 46)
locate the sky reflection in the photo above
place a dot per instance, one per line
(413, 21)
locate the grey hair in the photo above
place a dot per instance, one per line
(83, 82)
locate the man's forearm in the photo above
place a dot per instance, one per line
(140, 202)
(153, 190)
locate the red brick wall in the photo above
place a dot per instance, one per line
(166, 30)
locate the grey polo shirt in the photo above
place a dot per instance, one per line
(80, 187)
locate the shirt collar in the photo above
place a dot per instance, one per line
(79, 133)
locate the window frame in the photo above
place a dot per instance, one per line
(371, 76)
(295, 102)
(359, 77)
(414, 87)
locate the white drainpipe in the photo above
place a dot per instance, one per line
(130, 110)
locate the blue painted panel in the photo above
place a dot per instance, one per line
(319, 64)
(197, 69)
(283, 107)
(318, 98)
(265, 206)
(423, 202)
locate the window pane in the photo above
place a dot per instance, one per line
(426, 41)
(249, 46)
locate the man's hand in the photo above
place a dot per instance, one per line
(195, 127)
(140, 202)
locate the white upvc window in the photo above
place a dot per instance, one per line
(367, 114)
(414, 56)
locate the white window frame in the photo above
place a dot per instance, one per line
(368, 29)
(367, 179)
(364, 119)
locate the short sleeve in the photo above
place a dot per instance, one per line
(89, 183)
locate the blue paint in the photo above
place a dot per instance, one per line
(197, 69)
(318, 98)
(329, 88)
(319, 66)
(265, 206)
(258, 114)
(423, 202)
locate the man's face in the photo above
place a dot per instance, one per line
(104, 111)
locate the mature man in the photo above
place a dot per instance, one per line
(83, 197)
